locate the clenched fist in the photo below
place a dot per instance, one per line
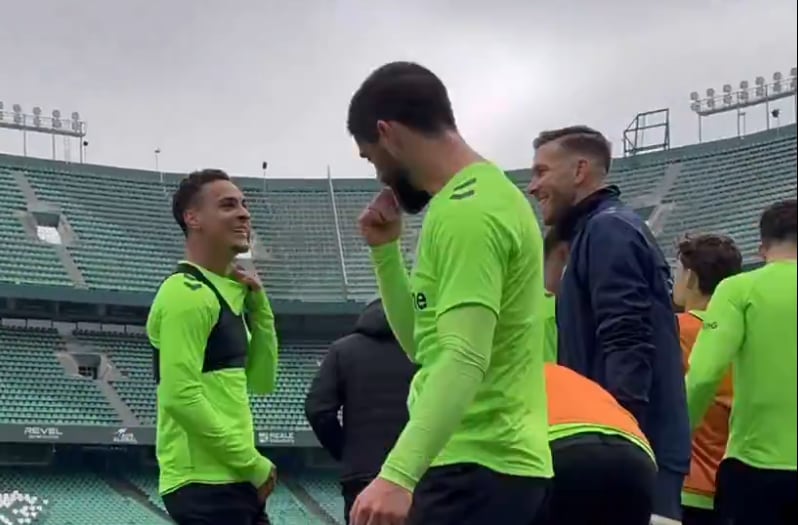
(381, 222)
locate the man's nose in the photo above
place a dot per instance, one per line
(532, 187)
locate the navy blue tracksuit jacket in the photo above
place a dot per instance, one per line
(616, 322)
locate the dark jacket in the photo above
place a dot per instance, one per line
(368, 375)
(616, 323)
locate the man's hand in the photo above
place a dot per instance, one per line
(381, 503)
(248, 278)
(381, 222)
(268, 486)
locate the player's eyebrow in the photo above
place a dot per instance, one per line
(230, 200)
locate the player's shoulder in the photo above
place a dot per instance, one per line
(740, 282)
(182, 291)
(617, 221)
(477, 193)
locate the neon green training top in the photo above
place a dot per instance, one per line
(550, 328)
(472, 316)
(204, 424)
(750, 325)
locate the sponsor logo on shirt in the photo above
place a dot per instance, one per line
(125, 437)
(710, 325)
(420, 300)
(43, 433)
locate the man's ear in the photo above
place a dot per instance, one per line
(191, 218)
(392, 137)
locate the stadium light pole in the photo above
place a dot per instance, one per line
(37, 122)
(762, 93)
(157, 153)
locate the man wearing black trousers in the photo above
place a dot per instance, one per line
(368, 375)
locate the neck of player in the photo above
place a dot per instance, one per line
(441, 158)
(785, 251)
(214, 260)
(698, 302)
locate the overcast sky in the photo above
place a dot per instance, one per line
(232, 83)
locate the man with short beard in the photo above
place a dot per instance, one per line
(614, 310)
(475, 449)
(206, 356)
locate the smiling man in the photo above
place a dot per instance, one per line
(475, 450)
(614, 312)
(206, 356)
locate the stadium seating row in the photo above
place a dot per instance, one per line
(80, 496)
(36, 388)
(119, 234)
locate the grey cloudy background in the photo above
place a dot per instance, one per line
(230, 84)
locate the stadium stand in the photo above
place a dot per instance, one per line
(77, 497)
(35, 389)
(306, 237)
(132, 355)
(325, 489)
(107, 215)
(30, 261)
(117, 235)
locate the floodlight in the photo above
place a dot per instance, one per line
(743, 96)
(777, 82)
(711, 103)
(792, 83)
(56, 119)
(17, 113)
(17, 108)
(744, 84)
(75, 115)
(37, 110)
(760, 81)
(794, 72)
(760, 91)
(693, 96)
(727, 99)
(727, 88)
(710, 92)
(695, 106)
(1, 110)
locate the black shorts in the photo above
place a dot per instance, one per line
(470, 494)
(202, 504)
(600, 480)
(696, 516)
(747, 495)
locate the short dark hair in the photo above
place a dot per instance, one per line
(551, 241)
(404, 92)
(778, 222)
(579, 139)
(711, 257)
(188, 190)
